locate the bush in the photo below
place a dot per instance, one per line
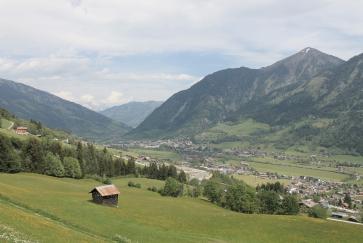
(132, 184)
(153, 189)
(172, 188)
(318, 212)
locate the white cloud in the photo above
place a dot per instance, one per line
(65, 95)
(74, 46)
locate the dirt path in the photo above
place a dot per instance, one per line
(11, 126)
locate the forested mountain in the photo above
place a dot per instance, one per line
(307, 84)
(30, 103)
(132, 113)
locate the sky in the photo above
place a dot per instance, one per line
(110, 52)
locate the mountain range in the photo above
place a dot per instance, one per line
(30, 103)
(132, 113)
(307, 85)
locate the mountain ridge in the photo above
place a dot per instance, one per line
(132, 113)
(29, 103)
(308, 83)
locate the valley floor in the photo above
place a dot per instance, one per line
(47, 209)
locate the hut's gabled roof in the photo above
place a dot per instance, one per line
(107, 190)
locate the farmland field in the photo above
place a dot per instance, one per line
(46, 209)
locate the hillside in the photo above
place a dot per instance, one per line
(308, 84)
(132, 113)
(143, 216)
(30, 103)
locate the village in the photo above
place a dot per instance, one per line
(341, 199)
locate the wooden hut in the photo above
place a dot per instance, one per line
(107, 194)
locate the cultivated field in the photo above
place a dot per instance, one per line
(47, 209)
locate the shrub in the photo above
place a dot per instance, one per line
(318, 212)
(153, 189)
(132, 184)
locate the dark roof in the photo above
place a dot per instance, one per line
(107, 190)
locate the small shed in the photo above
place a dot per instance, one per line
(107, 194)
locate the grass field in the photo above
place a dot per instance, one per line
(48, 209)
(254, 180)
(299, 171)
(5, 123)
(157, 154)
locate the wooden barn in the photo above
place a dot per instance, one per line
(107, 194)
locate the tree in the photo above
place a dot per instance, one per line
(269, 201)
(241, 198)
(348, 200)
(53, 165)
(212, 191)
(172, 188)
(90, 160)
(9, 160)
(131, 166)
(79, 156)
(290, 205)
(34, 153)
(72, 168)
(172, 172)
(182, 177)
(318, 212)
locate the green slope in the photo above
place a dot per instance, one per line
(144, 216)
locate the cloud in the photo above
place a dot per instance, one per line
(148, 50)
(115, 98)
(65, 95)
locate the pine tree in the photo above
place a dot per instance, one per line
(9, 160)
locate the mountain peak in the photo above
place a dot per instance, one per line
(307, 50)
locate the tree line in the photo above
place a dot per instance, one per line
(49, 157)
(270, 198)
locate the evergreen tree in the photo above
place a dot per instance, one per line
(182, 177)
(53, 165)
(9, 160)
(348, 200)
(79, 156)
(172, 172)
(131, 166)
(72, 168)
(33, 154)
(90, 160)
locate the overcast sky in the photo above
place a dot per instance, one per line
(104, 53)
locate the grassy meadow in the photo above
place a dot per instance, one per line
(48, 209)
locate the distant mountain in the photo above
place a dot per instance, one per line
(309, 83)
(30, 103)
(132, 113)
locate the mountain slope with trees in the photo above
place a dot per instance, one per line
(30, 103)
(307, 85)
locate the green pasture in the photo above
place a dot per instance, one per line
(58, 210)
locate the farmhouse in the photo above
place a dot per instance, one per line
(105, 195)
(21, 130)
